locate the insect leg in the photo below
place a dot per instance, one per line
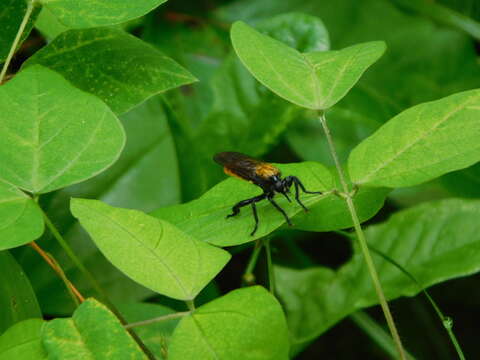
(297, 196)
(255, 216)
(240, 204)
(297, 181)
(270, 198)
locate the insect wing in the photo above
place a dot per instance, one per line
(237, 164)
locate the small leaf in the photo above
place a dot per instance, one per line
(117, 67)
(92, 333)
(11, 16)
(21, 219)
(421, 143)
(17, 299)
(23, 341)
(90, 13)
(205, 219)
(245, 324)
(315, 80)
(53, 134)
(424, 240)
(150, 251)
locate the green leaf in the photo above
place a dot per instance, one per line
(424, 240)
(92, 333)
(204, 218)
(90, 13)
(421, 143)
(54, 135)
(315, 80)
(144, 177)
(21, 219)
(17, 299)
(117, 67)
(49, 25)
(165, 259)
(155, 336)
(245, 324)
(11, 16)
(23, 341)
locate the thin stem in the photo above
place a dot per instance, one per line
(271, 274)
(248, 276)
(16, 41)
(446, 321)
(190, 305)
(363, 242)
(157, 319)
(72, 290)
(56, 234)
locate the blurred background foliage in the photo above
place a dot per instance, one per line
(432, 52)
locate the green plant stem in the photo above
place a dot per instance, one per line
(363, 242)
(376, 333)
(248, 276)
(190, 305)
(446, 321)
(271, 274)
(56, 234)
(16, 41)
(157, 319)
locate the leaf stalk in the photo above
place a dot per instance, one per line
(362, 241)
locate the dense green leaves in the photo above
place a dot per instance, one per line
(144, 178)
(11, 15)
(90, 13)
(425, 240)
(92, 332)
(54, 135)
(23, 341)
(20, 217)
(152, 252)
(315, 80)
(245, 324)
(17, 299)
(421, 143)
(115, 66)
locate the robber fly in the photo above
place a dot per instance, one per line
(264, 175)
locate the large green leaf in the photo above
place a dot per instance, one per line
(93, 332)
(117, 67)
(204, 218)
(421, 143)
(20, 217)
(54, 135)
(11, 15)
(150, 251)
(22, 341)
(155, 336)
(424, 240)
(315, 80)
(17, 299)
(246, 324)
(144, 177)
(90, 13)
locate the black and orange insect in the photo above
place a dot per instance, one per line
(264, 175)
